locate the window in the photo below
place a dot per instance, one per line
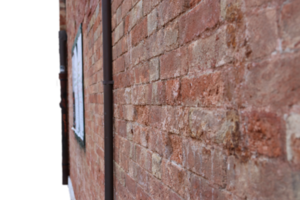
(78, 89)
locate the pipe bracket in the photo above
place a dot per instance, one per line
(108, 82)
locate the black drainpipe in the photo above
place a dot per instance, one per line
(108, 99)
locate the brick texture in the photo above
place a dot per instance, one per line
(206, 99)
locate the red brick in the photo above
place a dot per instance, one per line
(119, 65)
(115, 5)
(205, 90)
(174, 177)
(261, 88)
(139, 32)
(263, 33)
(261, 179)
(169, 9)
(99, 98)
(120, 127)
(174, 64)
(263, 133)
(131, 185)
(140, 94)
(141, 73)
(157, 116)
(126, 6)
(158, 93)
(136, 14)
(194, 2)
(157, 190)
(219, 166)
(122, 96)
(142, 178)
(173, 92)
(176, 143)
(160, 143)
(210, 52)
(140, 134)
(200, 189)
(155, 44)
(126, 23)
(138, 53)
(124, 43)
(203, 16)
(290, 20)
(141, 114)
(141, 194)
(123, 79)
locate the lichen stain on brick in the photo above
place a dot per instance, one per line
(229, 133)
(230, 34)
(234, 14)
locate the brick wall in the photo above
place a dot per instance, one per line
(206, 99)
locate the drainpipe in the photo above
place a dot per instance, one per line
(108, 99)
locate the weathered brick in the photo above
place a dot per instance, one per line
(141, 114)
(139, 32)
(129, 132)
(158, 93)
(260, 179)
(141, 194)
(204, 90)
(201, 189)
(171, 36)
(147, 7)
(173, 92)
(136, 14)
(292, 137)
(142, 178)
(157, 189)
(144, 158)
(118, 33)
(262, 32)
(157, 116)
(140, 134)
(152, 21)
(290, 20)
(128, 112)
(119, 65)
(263, 133)
(174, 177)
(115, 5)
(140, 94)
(257, 3)
(210, 52)
(141, 73)
(120, 127)
(130, 185)
(154, 69)
(122, 96)
(169, 9)
(126, 6)
(276, 91)
(219, 166)
(194, 2)
(138, 53)
(155, 44)
(203, 16)
(119, 15)
(174, 64)
(160, 143)
(176, 143)
(215, 126)
(156, 165)
(133, 170)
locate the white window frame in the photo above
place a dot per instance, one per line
(78, 87)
